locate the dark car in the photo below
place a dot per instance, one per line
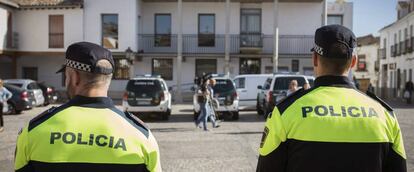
(49, 93)
(21, 99)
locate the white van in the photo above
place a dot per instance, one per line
(246, 86)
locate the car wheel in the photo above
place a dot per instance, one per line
(235, 115)
(12, 109)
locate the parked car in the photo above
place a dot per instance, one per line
(21, 99)
(30, 86)
(187, 91)
(246, 86)
(274, 90)
(226, 94)
(147, 94)
(49, 93)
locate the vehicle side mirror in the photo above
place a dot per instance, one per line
(259, 87)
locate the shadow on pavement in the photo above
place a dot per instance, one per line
(166, 130)
(243, 133)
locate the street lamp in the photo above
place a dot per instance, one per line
(129, 54)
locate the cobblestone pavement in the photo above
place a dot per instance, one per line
(232, 147)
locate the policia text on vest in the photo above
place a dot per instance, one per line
(91, 140)
(86, 134)
(342, 111)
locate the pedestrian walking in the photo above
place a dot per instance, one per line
(211, 101)
(88, 133)
(332, 126)
(203, 96)
(4, 96)
(408, 93)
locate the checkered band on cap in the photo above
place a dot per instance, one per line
(78, 65)
(318, 49)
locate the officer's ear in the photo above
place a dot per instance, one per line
(315, 59)
(354, 61)
(77, 78)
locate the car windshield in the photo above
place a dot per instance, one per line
(282, 83)
(223, 86)
(17, 85)
(148, 87)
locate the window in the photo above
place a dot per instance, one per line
(56, 31)
(110, 31)
(30, 73)
(335, 19)
(162, 30)
(267, 83)
(240, 83)
(204, 66)
(121, 68)
(249, 66)
(206, 30)
(362, 66)
(250, 28)
(163, 67)
(295, 65)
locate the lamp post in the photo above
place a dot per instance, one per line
(129, 54)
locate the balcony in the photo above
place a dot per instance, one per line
(382, 53)
(215, 44)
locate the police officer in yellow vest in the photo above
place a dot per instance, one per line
(332, 127)
(88, 133)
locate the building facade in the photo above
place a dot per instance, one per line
(177, 39)
(367, 69)
(396, 52)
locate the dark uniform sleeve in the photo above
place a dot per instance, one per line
(273, 149)
(395, 160)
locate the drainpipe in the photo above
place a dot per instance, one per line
(227, 40)
(179, 49)
(275, 35)
(324, 13)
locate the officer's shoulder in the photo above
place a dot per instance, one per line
(289, 100)
(380, 101)
(42, 117)
(138, 123)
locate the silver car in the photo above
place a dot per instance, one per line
(31, 86)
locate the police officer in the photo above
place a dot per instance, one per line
(88, 133)
(332, 126)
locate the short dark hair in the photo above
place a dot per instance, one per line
(340, 63)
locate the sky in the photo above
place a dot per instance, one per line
(372, 15)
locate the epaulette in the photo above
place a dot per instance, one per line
(139, 124)
(41, 117)
(289, 100)
(382, 102)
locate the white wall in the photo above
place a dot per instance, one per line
(292, 18)
(3, 25)
(127, 21)
(33, 28)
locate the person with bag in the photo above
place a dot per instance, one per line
(203, 94)
(4, 96)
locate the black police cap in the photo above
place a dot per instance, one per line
(327, 36)
(85, 55)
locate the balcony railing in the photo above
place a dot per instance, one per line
(382, 53)
(215, 44)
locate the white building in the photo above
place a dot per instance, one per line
(396, 52)
(367, 69)
(176, 39)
